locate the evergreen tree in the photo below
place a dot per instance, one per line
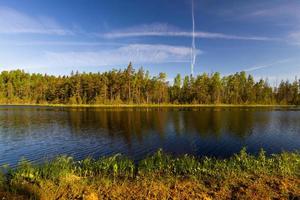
(130, 86)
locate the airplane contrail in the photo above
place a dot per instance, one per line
(193, 48)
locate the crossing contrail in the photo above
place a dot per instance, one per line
(193, 48)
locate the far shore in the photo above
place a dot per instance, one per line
(149, 105)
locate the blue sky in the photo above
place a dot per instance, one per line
(58, 36)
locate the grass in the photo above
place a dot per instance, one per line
(159, 176)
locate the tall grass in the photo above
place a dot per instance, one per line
(155, 176)
(116, 166)
(159, 165)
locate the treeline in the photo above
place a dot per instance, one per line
(129, 86)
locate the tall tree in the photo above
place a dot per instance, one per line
(130, 86)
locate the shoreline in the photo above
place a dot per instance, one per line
(154, 105)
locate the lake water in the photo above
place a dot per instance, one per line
(39, 133)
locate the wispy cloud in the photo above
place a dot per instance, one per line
(207, 35)
(15, 22)
(61, 43)
(281, 13)
(270, 14)
(282, 10)
(294, 38)
(166, 30)
(258, 67)
(137, 53)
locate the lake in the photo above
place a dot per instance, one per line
(39, 133)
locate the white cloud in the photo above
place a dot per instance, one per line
(166, 30)
(137, 53)
(15, 22)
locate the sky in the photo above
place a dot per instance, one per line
(58, 36)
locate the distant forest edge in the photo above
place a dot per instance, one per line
(129, 86)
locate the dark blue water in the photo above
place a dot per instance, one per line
(39, 133)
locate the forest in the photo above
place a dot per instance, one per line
(130, 86)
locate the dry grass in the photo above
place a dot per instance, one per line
(261, 187)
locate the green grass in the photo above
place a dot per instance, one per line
(284, 164)
(119, 170)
